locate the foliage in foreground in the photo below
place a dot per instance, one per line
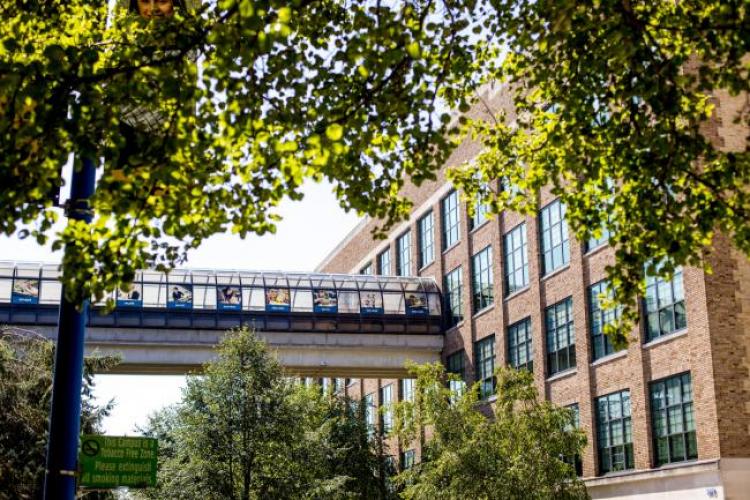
(242, 430)
(26, 361)
(515, 454)
(618, 105)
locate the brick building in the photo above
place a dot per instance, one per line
(668, 417)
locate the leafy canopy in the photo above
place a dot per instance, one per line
(617, 104)
(26, 361)
(243, 430)
(520, 448)
(244, 100)
(612, 102)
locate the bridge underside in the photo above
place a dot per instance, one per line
(310, 354)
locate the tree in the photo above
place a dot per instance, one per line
(244, 101)
(518, 452)
(243, 430)
(25, 391)
(617, 104)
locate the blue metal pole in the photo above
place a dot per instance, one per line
(65, 418)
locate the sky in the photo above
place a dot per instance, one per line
(310, 229)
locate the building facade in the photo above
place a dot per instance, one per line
(667, 417)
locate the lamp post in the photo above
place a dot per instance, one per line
(65, 418)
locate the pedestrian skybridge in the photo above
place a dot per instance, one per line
(318, 324)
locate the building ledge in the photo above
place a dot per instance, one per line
(458, 242)
(666, 338)
(557, 271)
(515, 294)
(483, 311)
(480, 226)
(667, 471)
(596, 250)
(610, 357)
(563, 374)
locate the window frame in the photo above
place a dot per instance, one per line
(366, 270)
(601, 346)
(386, 408)
(655, 285)
(425, 225)
(687, 419)
(515, 348)
(449, 208)
(482, 293)
(568, 351)
(626, 425)
(403, 254)
(484, 355)
(456, 363)
(384, 256)
(453, 293)
(547, 231)
(510, 254)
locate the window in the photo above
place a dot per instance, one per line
(480, 209)
(614, 432)
(593, 242)
(520, 351)
(370, 412)
(673, 420)
(485, 366)
(455, 364)
(516, 259)
(452, 294)
(561, 340)
(451, 221)
(384, 262)
(386, 415)
(403, 260)
(367, 269)
(599, 318)
(407, 389)
(426, 236)
(407, 459)
(575, 460)
(665, 305)
(481, 279)
(555, 251)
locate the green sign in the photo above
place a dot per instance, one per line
(112, 461)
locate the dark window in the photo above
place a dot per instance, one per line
(426, 236)
(367, 269)
(516, 259)
(455, 364)
(673, 420)
(386, 415)
(575, 460)
(665, 305)
(520, 351)
(403, 261)
(481, 279)
(452, 293)
(599, 318)
(614, 432)
(384, 262)
(407, 459)
(554, 240)
(451, 222)
(561, 339)
(485, 366)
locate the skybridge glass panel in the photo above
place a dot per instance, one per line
(302, 300)
(255, 298)
(368, 283)
(393, 303)
(348, 302)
